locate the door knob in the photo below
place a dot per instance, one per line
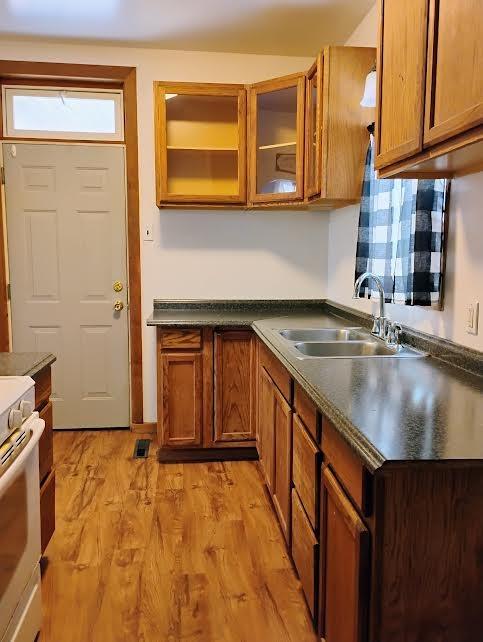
(118, 305)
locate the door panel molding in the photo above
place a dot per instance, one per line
(91, 75)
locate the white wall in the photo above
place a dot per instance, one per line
(225, 254)
(464, 265)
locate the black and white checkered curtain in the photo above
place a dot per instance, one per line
(401, 228)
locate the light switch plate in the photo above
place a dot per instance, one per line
(148, 232)
(472, 313)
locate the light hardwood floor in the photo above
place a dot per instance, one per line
(164, 552)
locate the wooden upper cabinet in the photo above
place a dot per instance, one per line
(313, 128)
(276, 140)
(430, 89)
(454, 88)
(336, 126)
(345, 569)
(401, 79)
(235, 385)
(200, 143)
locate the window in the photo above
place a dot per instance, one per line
(54, 112)
(401, 237)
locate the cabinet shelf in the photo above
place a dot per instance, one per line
(193, 148)
(277, 145)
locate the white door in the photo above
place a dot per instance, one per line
(66, 220)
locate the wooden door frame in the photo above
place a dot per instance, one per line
(125, 77)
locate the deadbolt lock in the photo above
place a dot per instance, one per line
(118, 305)
(117, 286)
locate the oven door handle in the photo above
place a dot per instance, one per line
(36, 426)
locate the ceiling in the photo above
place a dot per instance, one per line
(285, 27)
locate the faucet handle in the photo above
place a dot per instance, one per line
(393, 334)
(376, 326)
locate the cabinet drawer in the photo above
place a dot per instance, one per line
(47, 510)
(180, 339)
(277, 372)
(305, 552)
(46, 449)
(306, 410)
(306, 470)
(347, 466)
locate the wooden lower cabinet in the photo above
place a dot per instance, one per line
(345, 567)
(266, 428)
(206, 392)
(47, 510)
(235, 374)
(43, 405)
(282, 427)
(275, 446)
(305, 552)
(386, 555)
(180, 407)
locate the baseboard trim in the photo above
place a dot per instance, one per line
(144, 428)
(199, 455)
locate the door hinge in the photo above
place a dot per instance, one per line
(9, 292)
(2, 175)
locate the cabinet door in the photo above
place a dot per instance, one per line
(401, 76)
(282, 499)
(454, 85)
(305, 552)
(180, 399)
(266, 426)
(346, 565)
(276, 140)
(234, 386)
(313, 129)
(200, 143)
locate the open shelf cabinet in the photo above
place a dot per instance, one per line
(200, 143)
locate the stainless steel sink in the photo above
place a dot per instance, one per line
(353, 349)
(324, 334)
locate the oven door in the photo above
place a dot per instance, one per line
(19, 525)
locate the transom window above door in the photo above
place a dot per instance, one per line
(60, 113)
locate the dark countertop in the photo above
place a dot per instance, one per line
(389, 410)
(24, 363)
(223, 313)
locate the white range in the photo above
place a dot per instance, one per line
(20, 431)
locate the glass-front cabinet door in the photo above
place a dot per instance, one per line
(200, 143)
(276, 140)
(313, 130)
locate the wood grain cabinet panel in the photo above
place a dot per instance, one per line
(234, 385)
(180, 339)
(46, 446)
(266, 427)
(276, 111)
(283, 462)
(401, 70)
(47, 510)
(348, 467)
(306, 470)
(454, 87)
(180, 399)
(200, 131)
(346, 567)
(305, 552)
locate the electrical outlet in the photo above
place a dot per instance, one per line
(148, 232)
(472, 312)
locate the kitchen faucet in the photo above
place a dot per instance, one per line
(380, 325)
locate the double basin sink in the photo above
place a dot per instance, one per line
(342, 343)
